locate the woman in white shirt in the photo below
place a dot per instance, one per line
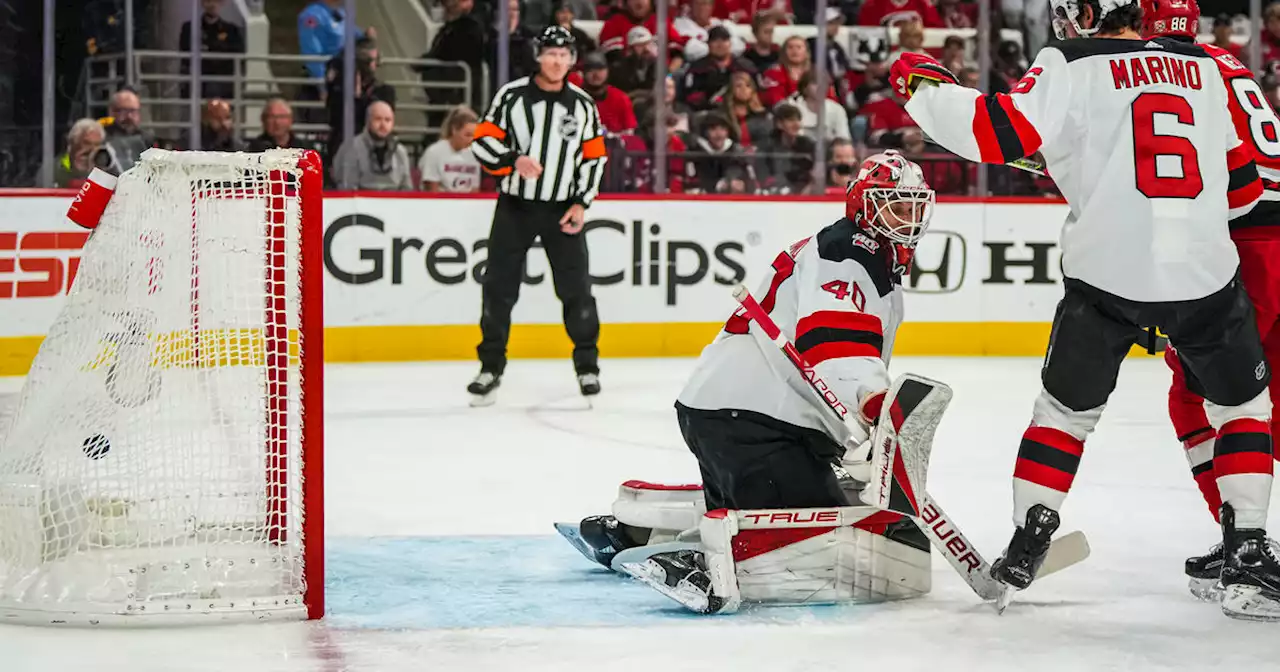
(448, 164)
(807, 99)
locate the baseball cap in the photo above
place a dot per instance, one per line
(834, 14)
(1222, 20)
(638, 35)
(594, 61)
(718, 33)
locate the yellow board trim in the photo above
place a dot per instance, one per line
(680, 339)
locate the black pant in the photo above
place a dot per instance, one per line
(1216, 339)
(752, 461)
(516, 223)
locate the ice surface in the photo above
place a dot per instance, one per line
(442, 555)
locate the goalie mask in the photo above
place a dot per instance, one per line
(1069, 14)
(890, 200)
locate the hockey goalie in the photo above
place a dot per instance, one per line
(780, 515)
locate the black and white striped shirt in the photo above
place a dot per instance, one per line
(558, 129)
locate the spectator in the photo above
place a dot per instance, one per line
(521, 60)
(538, 15)
(910, 40)
(1271, 89)
(615, 34)
(368, 89)
(707, 79)
(448, 164)
(564, 13)
(676, 148)
(1270, 36)
(637, 70)
(957, 14)
(217, 129)
(763, 53)
(886, 119)
(320, 32)
(1222, 36)
(782, 79)
(676, 107)
(83, 142)
(743, 11)
(719, 165)
(125, 139)
(838, 65)
(786, 156)
(697, 25)
(617, 114)
(460, 40)
(969, 77)
(953, 53)
(872, 70)
(895, 12)
(842, 162)
(277, 128)
(216, 37)
(374, 160)
(1008, 67)
(807, 100)
(945, 175)
(742, 107)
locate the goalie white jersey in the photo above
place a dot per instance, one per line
(1138, 137)
(837, 298)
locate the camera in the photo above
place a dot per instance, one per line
(105, 158)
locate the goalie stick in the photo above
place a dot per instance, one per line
(972, 567)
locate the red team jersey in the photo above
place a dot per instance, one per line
(890, 12)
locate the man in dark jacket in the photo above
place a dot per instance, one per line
(277, 128)
(461, 40)
(216, 37)
(368, 90)
(708, 78)
(719, 165)
(217, 129)
(521, 60)
(786, 156)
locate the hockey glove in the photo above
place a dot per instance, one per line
(869, 408)
(912, 70)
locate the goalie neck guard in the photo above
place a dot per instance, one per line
(891, 200)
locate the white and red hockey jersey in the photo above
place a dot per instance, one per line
(835, 297)
(1138, 137)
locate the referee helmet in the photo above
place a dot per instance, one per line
(555, 36)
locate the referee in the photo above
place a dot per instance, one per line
(542, 136)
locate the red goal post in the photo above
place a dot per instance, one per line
(165, 460)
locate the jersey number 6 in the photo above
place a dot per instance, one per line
(1149, 147)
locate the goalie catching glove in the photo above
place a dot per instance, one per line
(912, 70)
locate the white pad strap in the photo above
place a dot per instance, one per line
(666, 509)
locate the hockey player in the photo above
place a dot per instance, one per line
(1136, 135)
(762, 443)
(1255, 229)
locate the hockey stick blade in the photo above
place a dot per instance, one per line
(971, 566)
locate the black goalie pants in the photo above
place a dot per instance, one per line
(752, 461)
(1216, 339)
(517, 223)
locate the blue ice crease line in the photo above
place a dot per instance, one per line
(493, 582)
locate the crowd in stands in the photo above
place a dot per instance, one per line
(737, 116)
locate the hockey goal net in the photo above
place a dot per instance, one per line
(164, 461)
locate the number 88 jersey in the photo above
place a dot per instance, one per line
(1137, 136)
(1254, 204)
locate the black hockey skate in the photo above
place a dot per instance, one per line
(599, 538)
(589, 384)
(681, 576)
(1204, 574)
(483, 387)
(1250, 572)
(1027, 549)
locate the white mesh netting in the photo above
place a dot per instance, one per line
(153, 464)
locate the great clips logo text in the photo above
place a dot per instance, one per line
(653, 259)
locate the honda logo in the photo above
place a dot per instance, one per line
(939, 264)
